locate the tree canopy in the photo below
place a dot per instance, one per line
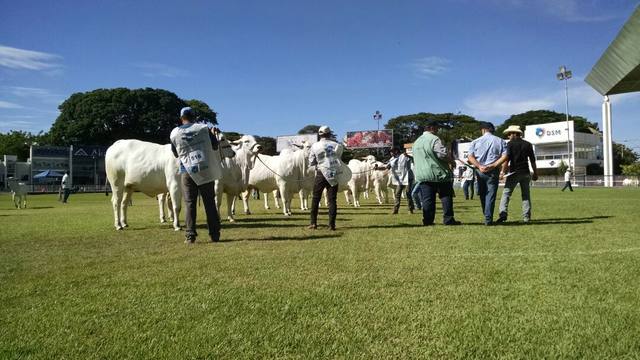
(103, 116)
(407, 128)
(203, 111)
(534, 117)
(309, 129)
(18, 143)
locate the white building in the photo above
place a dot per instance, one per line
(550, 145)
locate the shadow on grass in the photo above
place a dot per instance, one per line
(40, 207)
(384, 226)
(288, 238)
(550, 221)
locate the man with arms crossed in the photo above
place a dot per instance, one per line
(516, 170)
(487, 153)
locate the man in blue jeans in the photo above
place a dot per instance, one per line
(516, 170)
(487, 153)
(433, 175)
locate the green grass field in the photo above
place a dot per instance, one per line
(565, 286)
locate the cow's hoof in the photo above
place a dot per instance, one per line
(119, 228)
(247, 212)
(267, 208)
(177, 229)
(162, 221)
(125, 225)
(232, 220)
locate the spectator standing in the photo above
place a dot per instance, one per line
(468, 179)
(193, 144)
(516, 169)
(487, 153)
(66, 186)
(567, 180)
(401, 177)
(325, 156)
(434, 175)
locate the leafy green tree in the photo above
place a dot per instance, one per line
(622, 156)
(535, 117)
(562, 167)
(203, 111)
(631, 169)
(309, 129)
(269, 145)
(103, 116)
(18, 143)
(407, 128)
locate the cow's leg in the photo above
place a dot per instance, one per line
(169, 202)
(116, 200)
(126, 200)
(346, 197)
(276, 198)
(13, 198)
(245, 202)
(24, 204)
(303, 199)
(266, 201)
(161, 202)
(230, 199)
(174, 200)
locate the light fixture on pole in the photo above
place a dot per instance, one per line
(377, 116)
(565, 75)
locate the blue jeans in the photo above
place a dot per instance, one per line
(428, 192)
(467, 187)
(487, 192)
(510, 184)
(415, 195)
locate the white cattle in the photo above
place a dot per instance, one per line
(134, 165)
(292, 175)
(344, 176)
(235, 172)
(19, 192)
(164, 205)
(379, 177)
(360, 178)
(630, 182)
(262, 179)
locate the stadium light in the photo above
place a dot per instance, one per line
(565, 75)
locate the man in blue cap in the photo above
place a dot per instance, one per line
(433, 175)
(194, 144)
(487, 153)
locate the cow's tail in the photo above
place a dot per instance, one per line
(106, 187)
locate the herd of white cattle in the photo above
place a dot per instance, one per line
(134, 165)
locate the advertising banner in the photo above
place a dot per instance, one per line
(289, 141)
(369, 139)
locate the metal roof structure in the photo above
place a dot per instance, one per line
(618, 70)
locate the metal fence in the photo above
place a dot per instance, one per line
(588, 181)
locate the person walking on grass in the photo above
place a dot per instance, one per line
(194, 144)
(567, 180)
(433, 175)
(66, 187)
(516, 170)
(487, 153)
(401, 177)
(325, 155)
(468, 177)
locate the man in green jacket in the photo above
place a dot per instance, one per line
(433, 175)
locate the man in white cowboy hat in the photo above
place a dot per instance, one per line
(325, 156)
(516, 171)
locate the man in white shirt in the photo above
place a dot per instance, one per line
(66, 186)
(567, 180)
(325, 156)
(400, 168)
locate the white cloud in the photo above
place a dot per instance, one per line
(160, 70)
(504, 103)
(430, 66)
(21, 59)
(9, 105)
(31, 93)
(567, 10)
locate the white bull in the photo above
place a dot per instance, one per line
(18, 193)
(263, 179)
(360, 179)
(134, 165)
(379, 177)
(630, 182)
(235, 172)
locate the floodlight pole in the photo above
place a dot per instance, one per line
(565, 75)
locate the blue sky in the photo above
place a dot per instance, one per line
(271, 67)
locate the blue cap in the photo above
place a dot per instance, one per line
(487, 125)
(186, 111)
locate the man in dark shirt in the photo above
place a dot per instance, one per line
(516, 171)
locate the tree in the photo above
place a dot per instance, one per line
(535, 117)
(631, 169)
(103, 116)
(407, 128)
(309, 129)
(203, 111)
(562, 167)
(269, 145)
(622, 156)
(18, 143)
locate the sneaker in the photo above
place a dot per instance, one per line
(488, 223)
(526, 220)
(214, 239)
(410, 211)
(394, 212)
(190, 240)
(501, 219)
(453, 223)
(312, 227)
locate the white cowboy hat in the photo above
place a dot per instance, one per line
(513, 129)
